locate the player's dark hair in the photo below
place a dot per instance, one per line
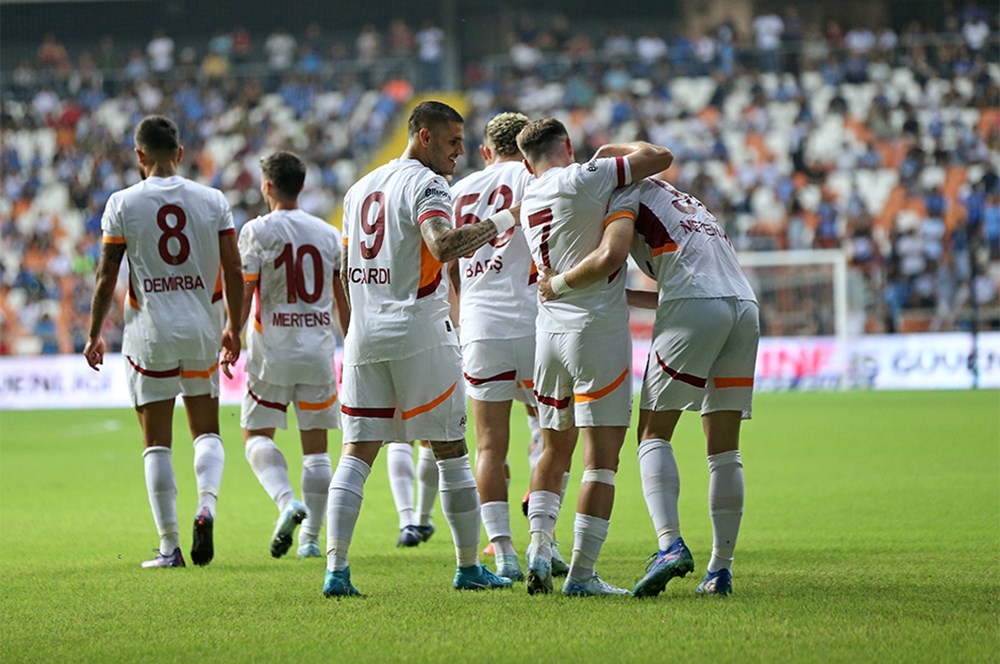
(539, 137)
(502, 130)
(286, 171)
(157, 135)
(431, 115)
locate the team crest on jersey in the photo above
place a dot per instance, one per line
(591, 165)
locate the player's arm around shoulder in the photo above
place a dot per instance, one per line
(644, 159)
(341, 295)
(447, 243)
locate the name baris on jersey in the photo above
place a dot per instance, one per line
(475, 268)
(285, 319)
(372, 275)
(172, 283)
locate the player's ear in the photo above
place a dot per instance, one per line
(141, 156)
(528, 166)
(425, 136)
(569, 147)
(180, 153)
(486, 153)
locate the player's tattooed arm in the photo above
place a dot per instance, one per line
(644, 158)
(104, 291)
(447, 243)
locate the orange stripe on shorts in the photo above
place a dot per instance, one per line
(603, 392)
(308, 405)
(430, 405)
(200, 374)
(733, 382)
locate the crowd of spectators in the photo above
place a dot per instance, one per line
(797, 136)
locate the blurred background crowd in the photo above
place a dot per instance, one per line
(797, 132)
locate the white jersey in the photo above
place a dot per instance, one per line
(562, 214)
(170, 228)
(499, 281)
(399, 301)
(294, 258)
(679, 243)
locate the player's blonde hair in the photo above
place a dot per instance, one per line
(502, 131)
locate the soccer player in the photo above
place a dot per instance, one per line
(176, 233)
(291, 261)
(415, 523)
(499, 296)
(402, 375)
(583, 348)
(702, 358)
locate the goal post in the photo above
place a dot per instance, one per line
(794, 285)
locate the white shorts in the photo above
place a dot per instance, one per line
(500, 369)
(584, 379)
(160, 382)
(265, 406)
(702, 356)
(415, 398)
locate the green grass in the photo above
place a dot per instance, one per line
(871, 532)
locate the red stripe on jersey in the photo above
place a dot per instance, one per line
(383, 413)
(268, 404)
(256, 306)
(227, 231)
(506, 375)
(620, 167)
(433, 213)
(533, 276)
(552, 401)
(217, 295)
(733, 382)
(167, 373)
(131, 289)
(652, 230)
(683, 377)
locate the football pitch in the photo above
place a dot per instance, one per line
(871, 532)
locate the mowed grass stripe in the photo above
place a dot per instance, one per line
(871, 532)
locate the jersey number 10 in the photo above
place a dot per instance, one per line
(295, 279)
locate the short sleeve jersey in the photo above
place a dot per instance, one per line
(399, 301)
(170, 228)
(294, 258)
(562, 215)
(499, 281)
(679, 243)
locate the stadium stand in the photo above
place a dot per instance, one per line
(883, 143)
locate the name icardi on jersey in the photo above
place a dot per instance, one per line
(371, 275)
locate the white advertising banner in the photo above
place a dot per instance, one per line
(884, 362)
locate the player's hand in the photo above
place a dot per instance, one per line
(230, 347)
(94, 352)
(545, 291)
(224, 367)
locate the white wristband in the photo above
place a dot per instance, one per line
(504, 221)
(559, 285)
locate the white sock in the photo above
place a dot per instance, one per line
(209, 458)
(725, 506)
(399, 461)
(661, 485)
(347, 489)
(162, 490)
(427, 484)
(543, 511)
(589, 533)
(271, 469)
(496, 521)
(316, 475)
(460, 504)
(535, 446)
